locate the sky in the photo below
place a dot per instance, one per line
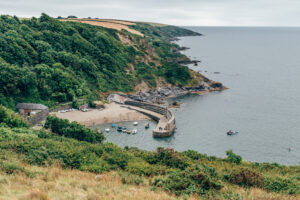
(175, 12)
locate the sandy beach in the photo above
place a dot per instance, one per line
(111, 114)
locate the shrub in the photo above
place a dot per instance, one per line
(281, 185)
(11, 168)
(73, 130)
(246, 177)
(75, 104)
(131, 179)
(191, 180)
(143, 168)
(167, 157)
(96, 166)
(11, 119)
(231, 157)
(92, 104)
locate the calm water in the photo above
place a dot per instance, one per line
(261, 66)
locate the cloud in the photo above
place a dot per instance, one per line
(177, 12)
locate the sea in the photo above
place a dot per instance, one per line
(260, 66)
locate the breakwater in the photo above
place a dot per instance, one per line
(164, 117)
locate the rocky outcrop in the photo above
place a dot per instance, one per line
(159, 94)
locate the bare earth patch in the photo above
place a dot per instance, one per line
(113, 24)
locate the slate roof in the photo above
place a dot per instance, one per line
(31, 106)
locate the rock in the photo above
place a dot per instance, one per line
(216, 85)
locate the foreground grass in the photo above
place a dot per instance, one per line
(57, 183)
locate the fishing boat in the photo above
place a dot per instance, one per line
(134, 131)
(119, 129)
(232, 133)
(147, 126)
(135, 123)
(107, 130)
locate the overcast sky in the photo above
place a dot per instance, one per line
(176, 12)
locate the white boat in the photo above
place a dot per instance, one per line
(135, 123)
(107, 130)
(134, 131)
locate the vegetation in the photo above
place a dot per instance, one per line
(162, 31)
(10, 119)
(72, 146)
(73, 130)
(50, 61)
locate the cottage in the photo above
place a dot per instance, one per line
(28, 109)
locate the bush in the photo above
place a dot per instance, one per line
(92, 104)
(167, 157)
(116, 158)
(73, 130)
(246, 177)
(231, 157)
(281, 185)
(94, 165)
(75, 104)
(11, 168)
(131, 179)
(11, 119)
(191, 180)
(143, 168)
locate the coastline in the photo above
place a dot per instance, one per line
(113, 112)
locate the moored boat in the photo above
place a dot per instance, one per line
(119, 128)
(107, 130)
(147, 126)
(134, 131)
(230, 132)
(135, 123)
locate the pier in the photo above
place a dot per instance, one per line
(164, 116)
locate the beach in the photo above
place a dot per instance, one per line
(112, 113)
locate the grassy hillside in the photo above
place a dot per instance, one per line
(46, 60)
(60, 164)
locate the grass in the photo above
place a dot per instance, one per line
(57, 183)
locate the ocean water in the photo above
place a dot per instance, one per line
(261, 68)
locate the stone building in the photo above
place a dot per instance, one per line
(28, 109)
(34, 113)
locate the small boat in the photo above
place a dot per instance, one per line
(134, 131)
(232, 133)
(124, 130)
(147, 126)
(135, 123)
(128, 131)
(113, 125)
(119, 129)
(107, 130)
